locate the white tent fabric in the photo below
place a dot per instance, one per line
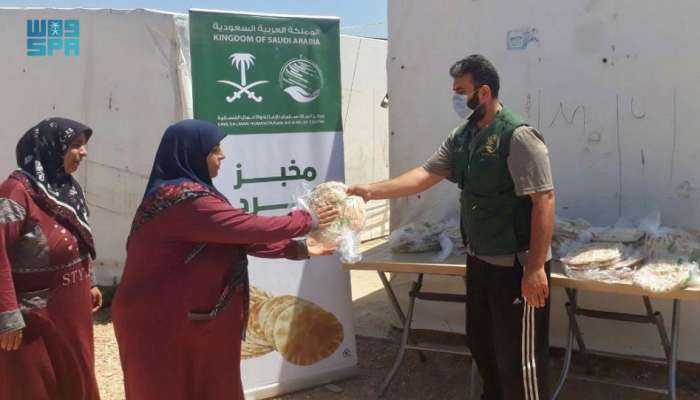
(614, 97)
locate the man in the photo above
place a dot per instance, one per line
(507, 210)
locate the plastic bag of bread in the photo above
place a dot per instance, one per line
(694, 275)
(344, 234)
(594, 255)
(674, 242)
(664, 275)
(451, 242)
(604, 262)
(568, 234)
(622, 271)
(417, 237)
(571, 229)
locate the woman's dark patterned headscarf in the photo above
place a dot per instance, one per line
(40, 153)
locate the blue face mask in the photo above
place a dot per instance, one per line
(464, 104)
(459, 103)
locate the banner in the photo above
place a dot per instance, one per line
(273, 84)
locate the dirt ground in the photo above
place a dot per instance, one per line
(441, 376)
(445, 376)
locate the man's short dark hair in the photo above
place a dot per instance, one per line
(481, 71)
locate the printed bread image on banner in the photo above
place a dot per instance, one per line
(301, 331)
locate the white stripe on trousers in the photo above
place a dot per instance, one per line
(529, 364)
(534, 353)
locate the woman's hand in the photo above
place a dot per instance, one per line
(316, 248)
(10, 341)
(326, 216)
(96, 297)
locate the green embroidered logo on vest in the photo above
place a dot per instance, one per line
(491, 145)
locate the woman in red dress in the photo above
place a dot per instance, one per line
(47, 295)
(181, 308)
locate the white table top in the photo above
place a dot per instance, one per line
(380, 258)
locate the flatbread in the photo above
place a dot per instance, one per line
(259, 295)
(255, 343)
(269, 312)
(619, 235)
(352, 211)
(306, 334)
(606, 264)
(599, 254)
(257, 298)
(629, 262)
(625, 262)
(251, 350)
(620, 271)
(301, 331)
(662, 276)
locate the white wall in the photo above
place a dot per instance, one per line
(365, 123)
(611, 85)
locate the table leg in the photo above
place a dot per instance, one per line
(573, 333)
(397, 307)
(392, 297)
(571, 311)
(673, 361)
(567, 363)
(659, 322)
(402, 348)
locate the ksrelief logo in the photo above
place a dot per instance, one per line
(243, 62)
(491, 144)
(302, 80)
(46, 37)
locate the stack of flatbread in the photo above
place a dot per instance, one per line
(301, 331)
(663, 275)
(618, 235)
(351, 208)
(605, 262)
(594, 255)
(569, 234)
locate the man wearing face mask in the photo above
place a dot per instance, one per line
(501, 165)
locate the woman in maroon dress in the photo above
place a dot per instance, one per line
(46, 292)
(181, 308)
